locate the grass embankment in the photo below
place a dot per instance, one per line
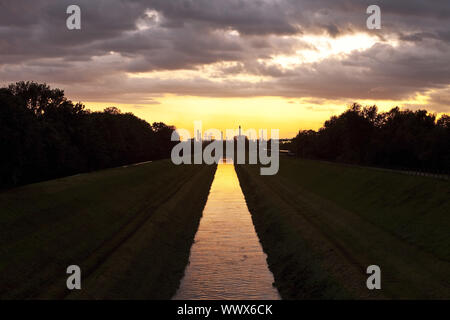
(322, 224)
(129, 229)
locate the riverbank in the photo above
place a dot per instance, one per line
(322, 224)
(129, 229)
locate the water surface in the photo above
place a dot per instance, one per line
(226, 259)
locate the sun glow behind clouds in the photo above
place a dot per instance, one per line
(215, 72)
(288, 115)
(150, 20)
(324, 47)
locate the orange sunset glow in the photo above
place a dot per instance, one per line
(291, 75)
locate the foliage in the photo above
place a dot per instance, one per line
(397, 139)
(43, 135)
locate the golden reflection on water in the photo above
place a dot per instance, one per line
(226, 259)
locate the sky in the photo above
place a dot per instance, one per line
(262, 64)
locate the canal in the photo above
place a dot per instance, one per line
(226, 260)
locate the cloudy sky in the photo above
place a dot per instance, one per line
(286, 64)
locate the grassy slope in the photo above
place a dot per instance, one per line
(86, 219)
(343, 219)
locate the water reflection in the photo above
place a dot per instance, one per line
(226, 260)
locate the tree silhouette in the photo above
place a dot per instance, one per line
(44, 135)
(397, 138)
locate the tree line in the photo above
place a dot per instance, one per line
(43, 135)
(399, 139)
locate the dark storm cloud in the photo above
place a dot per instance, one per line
(140, 36)
(247, 17)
